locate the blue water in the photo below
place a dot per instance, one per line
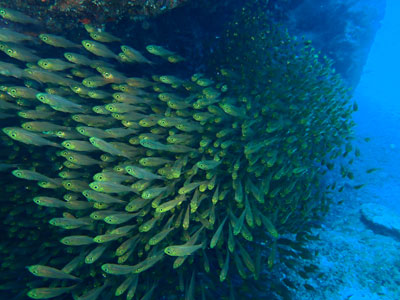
(363, 264)
(379, 109)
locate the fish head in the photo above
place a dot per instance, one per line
(44, 37)
(68, 145)
(117, 96)
(11, 132)
(42, 97)
(87, 44)
(86, 193)
(10, 51)
(151, 49)
(43, 63)
(69, 56)
(17, 173)
(12, 92)
(94, 186)
(93, 140)
(81, 130)
(27, 126)
(94, 35)
(110, 107)
(168, 251)
(76, 118)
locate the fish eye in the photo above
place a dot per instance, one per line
(44, 38)
(45, 64)
(9, 51)
(13, 91)
(70, 158)
(67, 145)
(88, 45)
(68, 184)
(14, 134)
(41, 98)
(107, 75)
(68, 55)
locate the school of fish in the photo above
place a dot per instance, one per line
(164, 187)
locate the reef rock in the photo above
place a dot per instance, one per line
(343, 30)
(381, 219)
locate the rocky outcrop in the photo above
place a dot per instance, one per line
(343, 30)
(381, 219)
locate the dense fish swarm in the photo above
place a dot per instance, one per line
(166, 187)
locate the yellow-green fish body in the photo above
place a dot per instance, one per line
(45, 76)
(17, 16)
(95, 81)
(167, 206)
(54, 64)
(141, 173)
(101, 197)
(78, 59)
(78, 145)
(22, 92)
(159, 51)
(42, 126)
(109, 187)
(36, 114)
(49, 201)
(107, 147)
(21, 54)
(154, 240)
(47, 293)
(28, 137)
(104, 37)
(154, 161)
(153, 192)
(134, 55)
(75, 185)
(92, 132)
(49, 272)
(98, 49)
(7, 35)
(57, 41)
(77, 240)
(182, 250)
(79, 159)
(95, 254)
(69, 223)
